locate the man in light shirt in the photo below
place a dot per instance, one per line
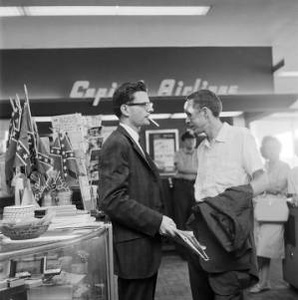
(227, 158)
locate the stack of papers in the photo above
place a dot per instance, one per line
(63, 210)
(188, 240)
(79, 220)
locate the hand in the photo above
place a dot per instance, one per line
(167, 227)
(260, 184)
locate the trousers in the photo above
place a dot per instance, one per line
(228, 285)
(137, 289)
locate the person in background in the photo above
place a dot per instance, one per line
(227, 158)
(293, 179)
(130, 194)
(269, 237)
(186, 164)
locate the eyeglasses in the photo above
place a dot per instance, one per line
(147, 105)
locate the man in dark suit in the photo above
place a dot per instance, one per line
(130, 193)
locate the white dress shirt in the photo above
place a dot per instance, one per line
(228, 160)
(135, 136)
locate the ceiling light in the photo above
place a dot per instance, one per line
(287, 73)
(109, 118)
(116, 10)
(154, 116)
(160, 116)
(178, 116)
(42, 119)
(224, 114)
(105, 11)
(11, 11)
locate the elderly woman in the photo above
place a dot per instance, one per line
(269, 237)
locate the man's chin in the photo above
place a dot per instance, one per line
(197, 131)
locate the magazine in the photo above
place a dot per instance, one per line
(188, 239)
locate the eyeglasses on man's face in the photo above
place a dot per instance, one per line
(147, 105)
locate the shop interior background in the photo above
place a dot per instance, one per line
(269, 23)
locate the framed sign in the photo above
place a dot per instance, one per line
(161, 146)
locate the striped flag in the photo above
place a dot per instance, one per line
(43, 159)
(26, 146)
(64, 159)
(13, 137)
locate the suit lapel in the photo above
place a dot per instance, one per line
(145, 158)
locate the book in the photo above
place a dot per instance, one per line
(33, 282)
(187, 239)
(13, 282)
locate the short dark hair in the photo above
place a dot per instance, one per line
(206, 98)
(124, 94)
(187, 135)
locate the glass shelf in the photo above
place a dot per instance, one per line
(72, 263)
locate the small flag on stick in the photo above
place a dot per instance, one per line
(64, 158)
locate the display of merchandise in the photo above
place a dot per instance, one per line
(64, 264)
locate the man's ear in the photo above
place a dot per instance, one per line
(124, 110)
(207, 112)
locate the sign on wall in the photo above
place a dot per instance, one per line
(96, 73)
(161, 146)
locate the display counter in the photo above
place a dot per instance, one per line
(64, 264)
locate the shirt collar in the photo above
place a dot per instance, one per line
(221, 136)
(131, 132)
(223, 132)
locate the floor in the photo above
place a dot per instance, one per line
(173, 284)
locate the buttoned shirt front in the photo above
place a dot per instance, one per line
(228, 160)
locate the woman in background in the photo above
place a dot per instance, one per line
(293, 179)
(269, 237)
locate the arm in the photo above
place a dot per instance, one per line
(259, 182)
(253, 165)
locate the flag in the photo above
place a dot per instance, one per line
(64, 160)
(26, 145)
(43, 159)
(13, 137)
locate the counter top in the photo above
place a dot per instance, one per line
(51, 239)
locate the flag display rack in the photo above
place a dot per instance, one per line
(41, 169)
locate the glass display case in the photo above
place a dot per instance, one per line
(65, 264)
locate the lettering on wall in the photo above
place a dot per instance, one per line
(167, 87)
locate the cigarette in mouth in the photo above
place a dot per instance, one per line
(154, 122)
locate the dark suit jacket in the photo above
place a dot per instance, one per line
(224, 224)
(130, 194)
